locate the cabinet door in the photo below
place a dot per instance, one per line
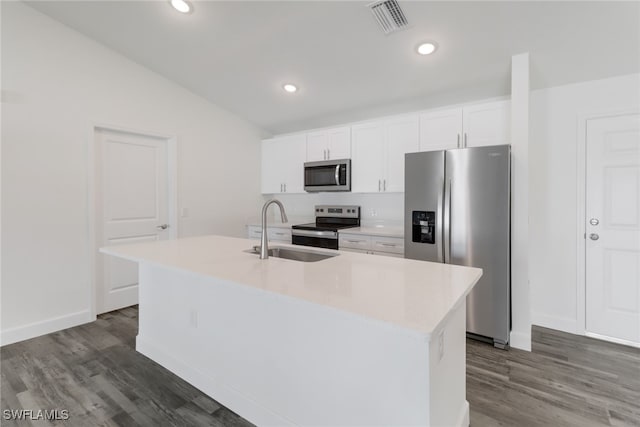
(316, 146)
(487, 124)
(441, 130)
(367, 144)
(339, 143)
(293, 152)
(271, 173)
(401, 137)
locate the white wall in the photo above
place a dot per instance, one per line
(553, 199)
(55, 84)
(520, 336)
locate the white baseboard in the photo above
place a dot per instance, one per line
(520, 340)
(228, 396)
(563, 324)
(614, 340)
(36, 329)
(463, 419)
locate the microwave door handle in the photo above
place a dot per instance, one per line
(337, 175)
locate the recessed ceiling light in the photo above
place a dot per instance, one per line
(290, 88)
(426, 48)
(181, 6)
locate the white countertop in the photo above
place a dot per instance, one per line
(416, 295)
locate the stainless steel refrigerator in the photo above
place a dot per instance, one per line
(457, 211)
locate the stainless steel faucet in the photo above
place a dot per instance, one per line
(264, 244)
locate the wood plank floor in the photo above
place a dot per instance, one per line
(94, 372)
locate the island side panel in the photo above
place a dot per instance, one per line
(277, 360)
(449, 406)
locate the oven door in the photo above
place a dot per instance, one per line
(318, 239)
(329, 175)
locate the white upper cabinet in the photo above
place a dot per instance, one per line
(378, 153)
(282, 164)
(271, 181)
(440, 130)
(470, 126)
(487, 124)
(402, 136)
(329, 144)
(377, 148)
(367, 164)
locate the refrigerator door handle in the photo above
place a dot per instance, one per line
(447, 224)
(439, 226)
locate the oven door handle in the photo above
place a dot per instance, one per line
(310, 233)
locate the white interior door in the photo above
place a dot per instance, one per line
(132, 203)
(613, 228)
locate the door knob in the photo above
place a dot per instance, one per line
(594, 221)
(594, 236)
(163, 226)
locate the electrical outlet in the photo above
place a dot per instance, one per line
(373, 212)
(441, 345)
(193, 318)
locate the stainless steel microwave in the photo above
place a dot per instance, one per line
(327, 175)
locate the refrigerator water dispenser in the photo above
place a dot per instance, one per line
(424, 226)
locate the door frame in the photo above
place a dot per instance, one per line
(93, 192)
(581, 254)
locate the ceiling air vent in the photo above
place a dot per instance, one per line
(389, 15)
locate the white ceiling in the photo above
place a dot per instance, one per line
(237, 54)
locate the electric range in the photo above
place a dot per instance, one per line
(324, 232)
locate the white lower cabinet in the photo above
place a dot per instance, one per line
(275, 234)
(371, 244)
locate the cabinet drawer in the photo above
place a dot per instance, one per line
(354, 242)
(253, 232)
(280, 234)
(387, 244)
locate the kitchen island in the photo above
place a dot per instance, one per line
(350, 340)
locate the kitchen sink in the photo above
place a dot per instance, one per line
(304, 255)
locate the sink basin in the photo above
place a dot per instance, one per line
(304, 255)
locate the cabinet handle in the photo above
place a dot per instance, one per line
(285, 187)
(465, 140)
(378, 185)
(391, 245)
(384, 185)
(324, 154)
(354, 241)
(458, 142)
(328, 154)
